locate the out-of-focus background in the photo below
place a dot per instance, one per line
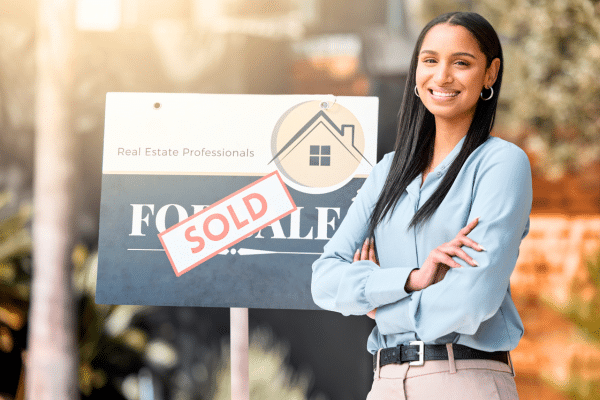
(58, 59)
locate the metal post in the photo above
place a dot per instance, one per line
(240, 387)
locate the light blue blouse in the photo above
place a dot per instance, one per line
(471, 305)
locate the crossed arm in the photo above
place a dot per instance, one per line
(437, 264)
(450, 292)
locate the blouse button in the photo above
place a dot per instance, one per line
(439, 174)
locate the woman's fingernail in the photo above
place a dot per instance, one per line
(482, 248)
(476, 263)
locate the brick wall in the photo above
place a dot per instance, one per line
(551, 258)
(574, 194)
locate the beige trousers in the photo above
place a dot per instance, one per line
(445, 380)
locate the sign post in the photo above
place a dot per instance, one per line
(240, 377)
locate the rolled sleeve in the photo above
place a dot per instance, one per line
(395, 318)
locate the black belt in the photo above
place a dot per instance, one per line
(418, 352)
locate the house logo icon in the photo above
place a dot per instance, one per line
(318, 150)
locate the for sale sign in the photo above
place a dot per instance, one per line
(226, 200)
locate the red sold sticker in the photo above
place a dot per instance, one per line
(227, 222)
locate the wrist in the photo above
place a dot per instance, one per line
(371, 314)
(410, 285)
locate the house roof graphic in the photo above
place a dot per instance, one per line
(322, 119)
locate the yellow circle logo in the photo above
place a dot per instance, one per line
(318, 148)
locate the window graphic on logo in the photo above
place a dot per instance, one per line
(320, 155)
(308, 132)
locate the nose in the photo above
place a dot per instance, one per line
(443, 74)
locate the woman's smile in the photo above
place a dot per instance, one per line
(443, 95)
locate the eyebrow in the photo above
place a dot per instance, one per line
(453, 54)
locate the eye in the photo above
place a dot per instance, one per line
(428, 60)
(462, 63)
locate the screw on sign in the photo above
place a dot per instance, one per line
(227, 222)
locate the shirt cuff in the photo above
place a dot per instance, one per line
(386, 285)
(394, 318)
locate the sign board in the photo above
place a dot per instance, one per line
(226, 200)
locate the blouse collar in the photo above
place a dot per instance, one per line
(414, 187)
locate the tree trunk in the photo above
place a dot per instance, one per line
(52, 357)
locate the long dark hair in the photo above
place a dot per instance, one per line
(416, 126)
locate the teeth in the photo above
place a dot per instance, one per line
(443, 94)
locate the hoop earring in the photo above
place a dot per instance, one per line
(490, 96)
(416, 93)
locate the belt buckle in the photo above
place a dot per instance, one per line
(421, 352)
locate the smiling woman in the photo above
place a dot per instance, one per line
(410, 252)
(451, 72)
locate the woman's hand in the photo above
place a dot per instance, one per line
(439, 261)
(367, 252)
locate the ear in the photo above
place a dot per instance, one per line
(492, 73)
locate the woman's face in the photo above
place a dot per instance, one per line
(451, 73)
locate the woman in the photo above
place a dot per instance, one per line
(397, 256)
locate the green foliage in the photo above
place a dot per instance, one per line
(96, 368)
(15, 246)
(578, 388)
(270, 375)
(552, 79)
(586, 303)
(583, 310)
(583, 307)
(15, 280)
